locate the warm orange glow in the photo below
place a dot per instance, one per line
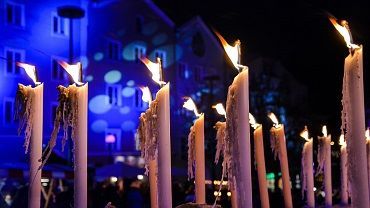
(220, 109)
(304, 134)
(341, 140)
(274, 120)
(344, 31)
(74, 70)
(324, 131)
(147, 95)
(30, 70)
(233, 52)
(190, 105)
(367, 134)
(252, 121)
(155, 69)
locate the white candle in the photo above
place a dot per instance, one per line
(153, 183)
(324, 159)
(35, 100)
(307, 169)
(260, 160)
(279, 147)
(343, 171)
(367, 136)
(353, 119)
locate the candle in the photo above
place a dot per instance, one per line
(279, 147)
(260, 160)
(161, 131)
(307, 169)
(367, 136)
(30, 112)
(324, 159)
(196, 153)
(237, 133)
(344, 171)
(353, 118)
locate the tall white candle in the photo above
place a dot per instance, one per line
(35, 115)
(260, 161)
(343, 171)
(367, 136)
(279, 147)
(153, 184)
(353, 118)
(324, 159)
(307, 169)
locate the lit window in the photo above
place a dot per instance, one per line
(114, 94)
(113, 139)
(57, 71)
(8, 111)
(14, 14)
(162, 55)
(12, 57)
(113, 50)
(139, 51)
(60, 25)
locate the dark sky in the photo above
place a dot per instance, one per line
(298, 34)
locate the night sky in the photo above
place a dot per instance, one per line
(297, 34)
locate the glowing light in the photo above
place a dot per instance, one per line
(130, 83)
(113, 179)
(140, 177)
(128, 91)
(190, 105)
(220, 109)
(30, 70)
(252, 121)
(112, 76)
(99, 126)
(110, 139)
(125, 110)
(304, 134)
(274, 120)
(98, 56)
(147, 95)
(228, 193)
(232, 52)
(99, 104)
(343, 29)
(89, 78)
(154, 68)
(324, 131)
(74, 70)
(341, 140)
(367, 134)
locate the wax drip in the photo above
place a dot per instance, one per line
(303, 172)
(191, 153)
(321, 154)
(274, 144)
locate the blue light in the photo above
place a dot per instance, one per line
(159, 39)
(130, 83)
(128, 53)
(124, 110)
(99, 126)
(99, 104)
(98, 56)
(112, 76)
(150, 28)
(89, 78)
(84, 62)
(128, 91)
(128, 126)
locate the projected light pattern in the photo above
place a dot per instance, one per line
(112, 76)
(84, 62)
(124, 110)
(99, 126)
(89, 78)
(130, 83)
(99, 104)
(128, 91)
(128, 126)
(98, 56)
(128, 52)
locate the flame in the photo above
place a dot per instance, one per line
(341, 140)
(253, 122)
(324, 131)
(30, 70)
(344, 31)
(154, 68)
(232, 52)
(304, 134)
(73, 70)
(147, 95)
(190, 105)
(367, 134)
(220, 109)
(274, 120)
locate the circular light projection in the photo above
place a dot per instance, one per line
(128, 53)
(128, 91)
(98, 56)
(150, 28)
(128, 126)
(84, 62)
(130, 83)
(89, 78)
(124, 110)
(159, 39)
(99, 126)
(112, 76)
(99, 104)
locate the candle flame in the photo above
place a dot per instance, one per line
(274, 120)
(74, 70)
(367, 134)
(304, 134)
(324, 131)
(30, 71)
(190, 105)
(220, 109)
(233, 52)
(253, 122)
(343, 29)
(341, 140)
(147, 95)
(154, 68)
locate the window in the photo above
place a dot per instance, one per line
(8, 111)
(139, 24)
(113, 50)
(14, 14)
(138, 101)
(113, 139)
(57, 71)
(183, 70)
(162, 55)
(139, 52)
(198, 73)
(12, 57)
(60, 25)
(114, 94)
